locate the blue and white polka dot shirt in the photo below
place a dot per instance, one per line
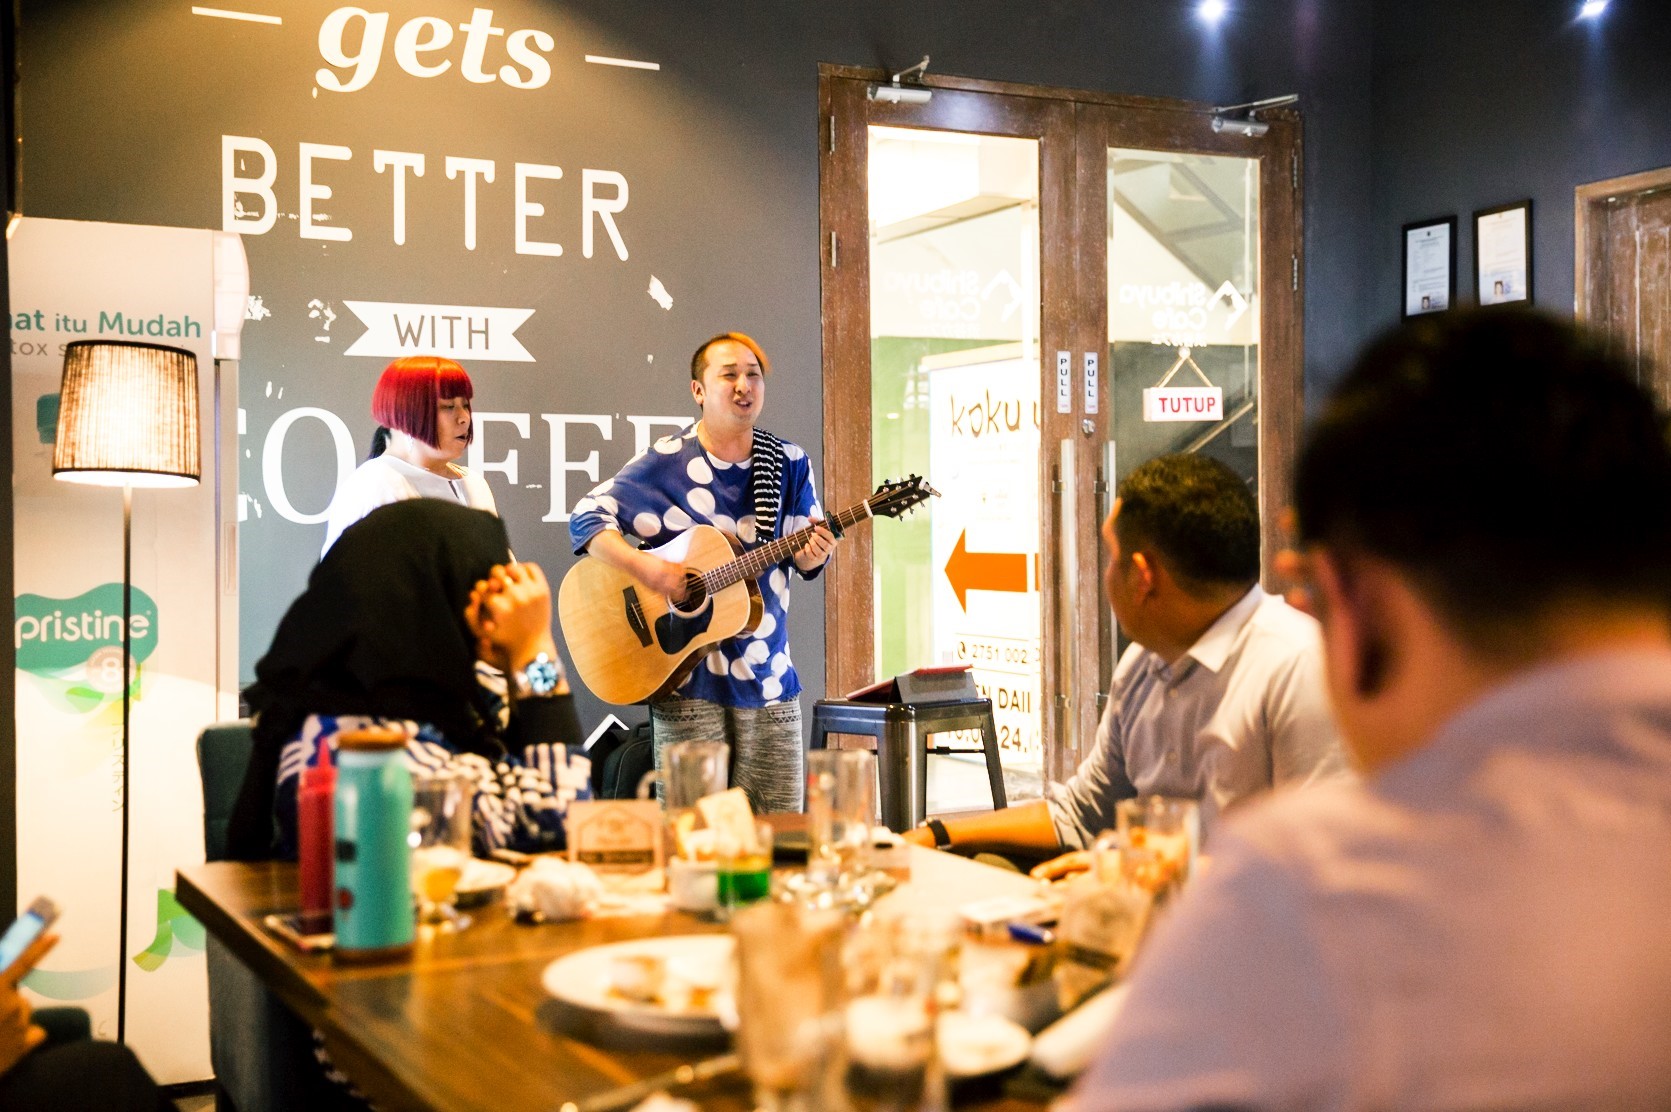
(676, 484)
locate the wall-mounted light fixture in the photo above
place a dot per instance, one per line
(1591, 9)
(895, 93)
(1242, 119)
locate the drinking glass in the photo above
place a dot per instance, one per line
(1159, 837)
(898, 969)
(840, 794)
(789, 993)
(440, 839)
(745, 871)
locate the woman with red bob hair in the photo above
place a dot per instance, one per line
(422, 406)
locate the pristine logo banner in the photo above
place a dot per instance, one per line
(53, 634)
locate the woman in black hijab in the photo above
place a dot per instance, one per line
(391, 626)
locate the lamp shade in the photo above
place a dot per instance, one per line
(127, 415)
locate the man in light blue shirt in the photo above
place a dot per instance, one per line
(1219, 697)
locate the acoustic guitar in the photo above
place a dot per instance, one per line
(631, 644)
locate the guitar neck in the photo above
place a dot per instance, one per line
(750, 564)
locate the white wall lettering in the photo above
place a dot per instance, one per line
(272, 461)
(310, 228)
(333, 47)
(352, 39)
(233, 217)
(479, 462)
(471, 168)
(642, 428)
(526, 209)
(604, 208)
(561, 465)
(402, 161)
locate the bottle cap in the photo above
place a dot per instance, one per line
(323, 771)
(371, 739)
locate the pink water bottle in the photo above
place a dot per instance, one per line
(316, 839)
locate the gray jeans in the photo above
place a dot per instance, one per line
(766, 756)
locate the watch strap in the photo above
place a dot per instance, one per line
(942, 837)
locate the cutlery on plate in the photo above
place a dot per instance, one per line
(624, 1095)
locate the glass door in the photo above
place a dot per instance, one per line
(1027, 293)
(944, 260)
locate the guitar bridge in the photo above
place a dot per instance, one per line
(635, 616)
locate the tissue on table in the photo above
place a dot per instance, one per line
(556, 889)
(1065, 1047)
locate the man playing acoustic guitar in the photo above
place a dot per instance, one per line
(726, 472)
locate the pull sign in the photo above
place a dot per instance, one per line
(1064, 382)
(1090, 382)
(1183, 403)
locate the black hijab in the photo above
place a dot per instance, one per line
(379, 630)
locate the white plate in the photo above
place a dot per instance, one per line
(972, 1045)
(584, 980)
(484, 876)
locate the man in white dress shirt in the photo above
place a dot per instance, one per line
(1220, 696)
(1484, 921)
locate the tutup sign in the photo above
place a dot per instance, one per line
(1183, 403)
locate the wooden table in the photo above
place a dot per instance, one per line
(465, 1024)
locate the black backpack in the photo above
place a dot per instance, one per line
(620, 758)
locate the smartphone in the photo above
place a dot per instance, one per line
(302, 932)
(25, 929)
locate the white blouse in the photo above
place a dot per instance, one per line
(385, 479)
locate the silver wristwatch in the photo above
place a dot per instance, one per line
(537, 679)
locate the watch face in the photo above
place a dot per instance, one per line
(540, 675)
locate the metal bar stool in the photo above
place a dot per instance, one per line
(901, 731)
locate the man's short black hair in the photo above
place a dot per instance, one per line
(1197, 514)
(1504, 461)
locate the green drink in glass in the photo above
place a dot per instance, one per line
(744, 874)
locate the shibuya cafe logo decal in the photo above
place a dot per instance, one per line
(73, 646)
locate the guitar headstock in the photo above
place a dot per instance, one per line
(900, 497)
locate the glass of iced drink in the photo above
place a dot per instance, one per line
(441, 807)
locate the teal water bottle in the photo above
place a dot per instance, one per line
(373, 905)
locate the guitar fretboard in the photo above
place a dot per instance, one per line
(750, 564)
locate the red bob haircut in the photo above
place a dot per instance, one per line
(410, 390)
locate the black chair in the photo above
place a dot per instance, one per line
(261, 1053)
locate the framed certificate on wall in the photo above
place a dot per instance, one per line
(1429, 266)
(1503, 253)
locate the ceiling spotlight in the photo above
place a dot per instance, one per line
(1590, 9)
(1211, 11)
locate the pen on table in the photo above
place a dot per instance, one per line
(1035, 935)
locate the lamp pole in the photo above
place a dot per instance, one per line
(127, 691)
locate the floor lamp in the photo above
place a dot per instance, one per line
(127, 417)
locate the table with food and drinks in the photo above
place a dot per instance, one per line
(682, 951)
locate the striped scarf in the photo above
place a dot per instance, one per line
(768, 484)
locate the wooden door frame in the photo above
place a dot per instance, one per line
(1074, 315)
(1588, 200)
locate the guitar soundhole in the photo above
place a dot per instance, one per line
(696, 595)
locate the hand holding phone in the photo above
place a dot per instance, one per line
(25, 929)
(25, 943)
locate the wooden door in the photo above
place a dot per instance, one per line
(1623, 279)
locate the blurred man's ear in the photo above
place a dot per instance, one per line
(1356, 639)
(1145, 569)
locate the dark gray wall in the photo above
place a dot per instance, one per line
(720, 149)
(1412, 109)
(1494, 101)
